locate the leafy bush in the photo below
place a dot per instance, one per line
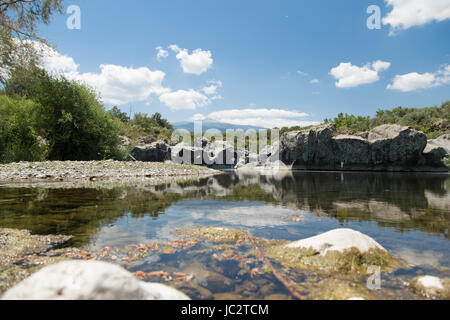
(433, 121)
(19, 140)
(69, 116)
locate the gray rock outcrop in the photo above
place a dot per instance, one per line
(386, 148)
(155, 152)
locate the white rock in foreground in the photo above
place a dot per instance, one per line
(431, 282)
(89, 280)
(431, 287)
(337, 240)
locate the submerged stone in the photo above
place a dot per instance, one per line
(216, 234)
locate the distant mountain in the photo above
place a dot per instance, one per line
(209, 124)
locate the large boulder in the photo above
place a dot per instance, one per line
(309, 148)
(441, 142)
(155, 152)
(352, 150)
(437, 150)
(89, 280)
(396, 145)
(387, 147)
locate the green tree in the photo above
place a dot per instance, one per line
(19, 140)
(70, 117)
(115, 113)
(18, 31)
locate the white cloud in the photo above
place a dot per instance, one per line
(415, 81)
(161, 53)
(184, 99)
(265, 118)
(302, 73)
(116, 84)
(120, 85)
(212, 88)
(379, 65)
(197, 63)
(350, 76)
(314, 81)
(54, 62)
(409, 13)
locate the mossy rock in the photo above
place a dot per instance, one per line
(215, 234)
(348, 261)
(431, 287)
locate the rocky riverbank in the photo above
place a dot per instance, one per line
(98, 171)
(385, 148)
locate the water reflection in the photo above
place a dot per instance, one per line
(404, 201)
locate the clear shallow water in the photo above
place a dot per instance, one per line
(409, 214)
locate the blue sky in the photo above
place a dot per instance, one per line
(259, 57)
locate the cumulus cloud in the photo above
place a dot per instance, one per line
(184, 99)
(120, 85)
(161, 53)
(116, 84)
(409, 13)
(264, 118)
(314, 81)
(212, 88)
(350, 76)
(415, 81)
(198, 62)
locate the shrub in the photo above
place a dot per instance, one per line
(70, 117)
(19, 140)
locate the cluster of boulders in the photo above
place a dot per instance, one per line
(385, 148)
(216, 154)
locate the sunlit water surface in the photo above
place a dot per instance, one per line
(409, 214)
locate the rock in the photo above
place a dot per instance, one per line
(155, 152)
(338, 240)
(88, 280)
(437, 150)
(341, 250)
(309, 148)
(393, 144)
(352, 150)
(441, 142)
(431, 287)
(385, 148)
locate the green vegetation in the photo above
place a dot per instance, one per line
(19, 20)
(47, 117)
(433, 121)
(18, 137)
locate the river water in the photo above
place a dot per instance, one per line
(408, 214)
